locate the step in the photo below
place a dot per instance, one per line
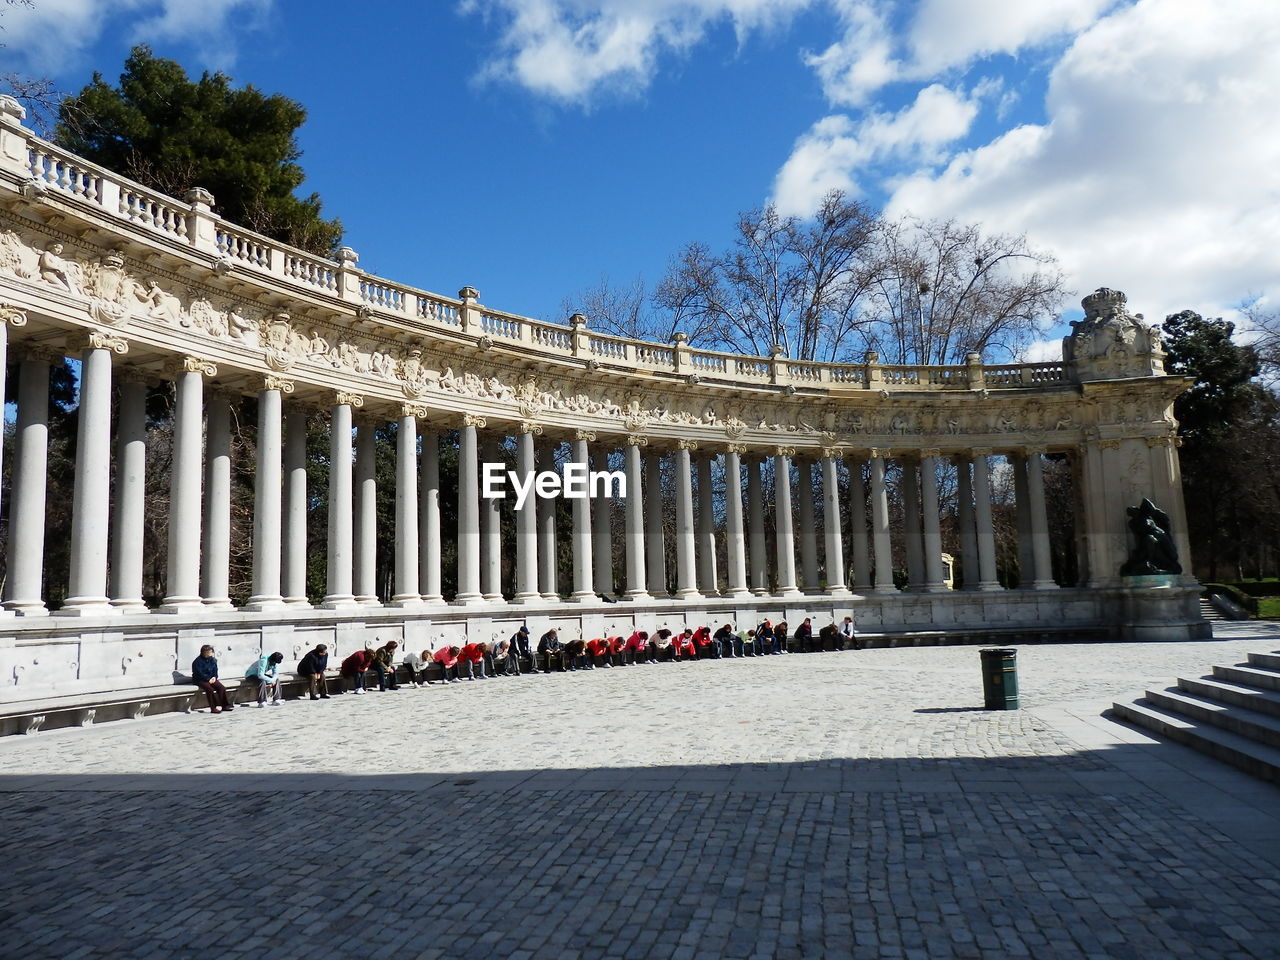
(1208, 611)
(1210, 688)
(1248, 723)
(1265, 661)
(1253, 758)
(1249, 676)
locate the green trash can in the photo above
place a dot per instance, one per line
(1000, 679)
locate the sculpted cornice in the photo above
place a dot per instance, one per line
(322, 346)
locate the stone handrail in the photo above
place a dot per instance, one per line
(47, 169)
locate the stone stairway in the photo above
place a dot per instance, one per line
(1209, 611)
(1232, 715)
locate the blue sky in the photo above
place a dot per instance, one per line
(528, 147)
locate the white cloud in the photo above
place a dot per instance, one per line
(835, 149)
(53, 35)
(942, 35)
(568, 50)
(1156, 172)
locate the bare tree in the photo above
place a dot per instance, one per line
(622, 311)
(788, 281)
(37, 94)
(943, 289)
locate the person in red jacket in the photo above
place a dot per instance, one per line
(598, 648)
(702, 640)
(447, 657)
(471, 660)
(636, 649)
(686, 648)
(356, 666)
(615, 651)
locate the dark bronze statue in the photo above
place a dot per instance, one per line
(1153, 550)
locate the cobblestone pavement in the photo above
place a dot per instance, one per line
(826, 805)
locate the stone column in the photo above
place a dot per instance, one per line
(338, 582)
(469, 512)
(408, 591)
(184, 488)
(365, 532)
(934, 575)
(654, 545)
(968, 528)
(987, 579)
(735, 542)
(548, 548)
(583, 591)
(491, 531)
(295, 533)
(87, 586)
(858, 522)
(1027, 572)
(834, 542)
(911, 522)
(527, 518)
(429, 519)
(24, 583)
(881, 548)
(1039, 522)
(215, 553)
(705, 551)
(129, 507)
(755, 520)
(602, 529)
(635, 533)
(268, 492)
(808, 526)
(686, 588)
(786, 535)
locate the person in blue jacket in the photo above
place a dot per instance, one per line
(267, 672)
(204, 671)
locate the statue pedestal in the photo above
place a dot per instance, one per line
(1156, 607)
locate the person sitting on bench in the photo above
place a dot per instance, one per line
(267, 672)
(664, 648)
(724, 642)
(636, 649)
(575, 655)
(384, 665)
(447, 657)
(549, 646)
(417, 664)
(615, 651)
(204, 672)
(313, 666)
(598, 647)
(830, 634)
(850, 635)
(355, 667)
(803, 637)
(519, 651)
(471, 661)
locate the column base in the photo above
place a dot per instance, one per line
(131, 605)
(885, 588)
(433, 601)
(297, 603)
(406, 602)
(687, 595)
(551, 596)
(520, 599)
(936, 588)
(494, 598)
(468, 600)
(989, 586)
(637, 596)
(584, 597)
(1044, 585)
(790, 593)
(367, 601)
(339, 602)
(265, 604)
(87, 607)
(28, 610)
(183, 605)
(214, 603)
(840, 591)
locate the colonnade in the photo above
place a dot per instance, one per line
(104, 581)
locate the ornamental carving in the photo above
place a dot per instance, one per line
(1110, 343)
(98, 340)
(12, 316)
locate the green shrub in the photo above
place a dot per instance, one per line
(1259, 588)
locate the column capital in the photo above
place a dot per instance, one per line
(637, 440)
(344, 399)
(530, 426)
(1111, 443)
(686, 444)
(1035, 450)
(418, 410)
(13, 316)
(101, 340)
(191, 364)
(472, 420)
(836, 453)
(976, 452)
(738, 448)
(270, 382)
(784, 451)
(38, 353)
(878, 453)
(128, 373)
(588, 435)
(1166, 440)
(930, 453)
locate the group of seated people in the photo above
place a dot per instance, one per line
(516, 657)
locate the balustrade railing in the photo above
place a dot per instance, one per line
(51, 170)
